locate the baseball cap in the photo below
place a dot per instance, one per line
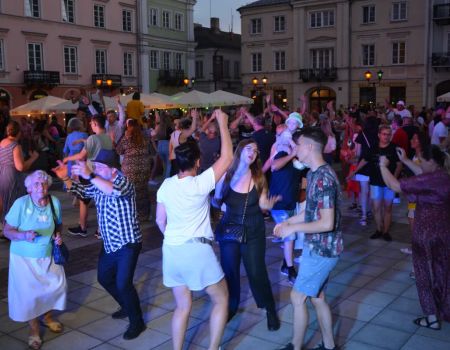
(401, 103)
(107, 157)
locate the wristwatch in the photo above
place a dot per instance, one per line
(92, 176)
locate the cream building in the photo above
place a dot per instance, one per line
(329, 46)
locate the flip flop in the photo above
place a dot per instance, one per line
(428, 324)
(53, 326)
(34, 342)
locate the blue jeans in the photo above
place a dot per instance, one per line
(115, 274)
(163, 151)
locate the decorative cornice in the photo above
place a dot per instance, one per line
(4, 30)
(69, 38)
(42, 35)
(100, 42)
(128, 45)
(124, 4)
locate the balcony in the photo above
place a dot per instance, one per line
(318, 74)
(440, 60)
(171, 77)
(107, 80)
(40, 78)
(441, 14)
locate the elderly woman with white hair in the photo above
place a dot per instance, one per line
(36, 285)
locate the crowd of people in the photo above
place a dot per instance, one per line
(288, 166)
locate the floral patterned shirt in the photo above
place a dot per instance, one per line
(323, 192)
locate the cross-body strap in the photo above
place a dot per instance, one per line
(53, 210)
(246, 200)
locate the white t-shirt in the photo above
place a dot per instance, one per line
(440, 130)
(187, 206)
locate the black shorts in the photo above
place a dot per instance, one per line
(83, 181)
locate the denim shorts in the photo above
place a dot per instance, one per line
(313, 273)
(280, 216)
(381, 193)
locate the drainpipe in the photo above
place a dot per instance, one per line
(428, 45)
(138, 43)
(349, 77)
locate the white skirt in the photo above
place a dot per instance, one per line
(35, 286)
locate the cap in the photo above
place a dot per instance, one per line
(401, 103)
(297, 117)
(107, 157)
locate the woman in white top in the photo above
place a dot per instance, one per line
(182, 215)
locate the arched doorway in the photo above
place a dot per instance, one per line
(5, 98)
(319, 97)
(37, 94)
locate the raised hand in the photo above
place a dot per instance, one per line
(221, 117)
(401, 153)
(61, 170)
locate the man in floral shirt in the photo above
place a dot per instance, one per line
(323, 237)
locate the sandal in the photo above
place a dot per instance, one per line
(53, 326)
(428, 324)
(34, 342)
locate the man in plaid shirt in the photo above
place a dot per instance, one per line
(114, 197)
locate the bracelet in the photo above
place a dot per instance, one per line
(65, 179)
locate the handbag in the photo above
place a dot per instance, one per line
(233, 232)
(60, 253)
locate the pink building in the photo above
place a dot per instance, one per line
(54, 47)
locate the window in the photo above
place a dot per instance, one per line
(153, 17)
(368, 52)
(2, 56)
(32, 8)
(128, 64)
(279, 24)
(320, 19)
(256, 26)
(166, 60)
(166, 19)
(70, 60)
(368, 14)
(126, 20)
(367, 96)
(99, 16)
(178, 61)
(226, 69)
(237, 70)
(280, 60)
(100, 61)
(397, 93)
(179, 21)
(68, 11)
(256, 62)
(399, 12)
(35, 57)
(398, 52)
(199, 69)
(154, 64)
(322, 58)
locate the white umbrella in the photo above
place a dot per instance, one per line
(43, 105)
(444, 98)
(150, 101)
(192, 99)
(224, 98)
(68, 107)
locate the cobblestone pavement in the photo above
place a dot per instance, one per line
(372, 296)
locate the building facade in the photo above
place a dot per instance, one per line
(332, 47)
(217, 59)
(166, 44)
(56, 47)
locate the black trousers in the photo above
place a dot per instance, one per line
(252, 254)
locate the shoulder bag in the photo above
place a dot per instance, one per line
(60, 253)
(233, 232)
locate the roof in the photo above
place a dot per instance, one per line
(208, 38)
(263, 3)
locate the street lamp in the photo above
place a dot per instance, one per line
(259, 88)
(368, 75)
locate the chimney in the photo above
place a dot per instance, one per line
(215, 24)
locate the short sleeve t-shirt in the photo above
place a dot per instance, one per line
(95, 143)
(323, 192)
(373, 157)
(285, 182)
(440, 130)
(186, 201)
(25, 215)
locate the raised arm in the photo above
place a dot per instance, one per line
(19, 163)
(226, 149)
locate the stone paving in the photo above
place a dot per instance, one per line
(372, 296)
